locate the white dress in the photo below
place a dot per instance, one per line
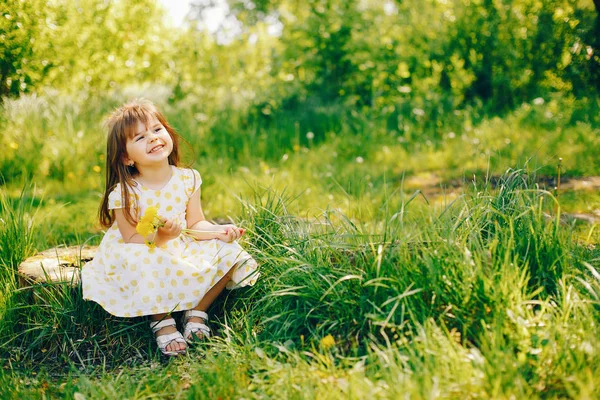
(130, 279)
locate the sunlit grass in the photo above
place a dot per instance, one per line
(428, 305)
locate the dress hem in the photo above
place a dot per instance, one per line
(169, 308)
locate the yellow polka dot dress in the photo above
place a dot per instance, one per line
(130, 279)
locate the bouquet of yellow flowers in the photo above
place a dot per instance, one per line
(148, 224)
(151, 221)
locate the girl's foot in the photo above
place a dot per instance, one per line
(195, 325)
(173, 345)
(168, 338)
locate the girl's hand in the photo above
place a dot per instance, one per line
(230, 233)
(169, 231)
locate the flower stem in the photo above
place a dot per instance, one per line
(199, 231)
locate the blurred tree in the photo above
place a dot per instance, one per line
(87, 46)
(420, 59)
(497, 52)
(18, 32)
(315, 44)
(103, 45)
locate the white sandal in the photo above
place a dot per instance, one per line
(191, 328)
(164, 340)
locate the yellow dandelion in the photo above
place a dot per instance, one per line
(148, 224)
(327, 342)
(150, 215)
(144, 228)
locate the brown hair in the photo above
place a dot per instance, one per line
(121, 125)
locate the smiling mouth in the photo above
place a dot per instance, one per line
(156, 148)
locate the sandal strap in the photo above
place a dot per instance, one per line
(193, 327)
(195, 313)
(158, 325)
(164, 340)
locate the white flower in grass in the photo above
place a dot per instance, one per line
(310, 135)
(360, 160)
(469, 257)
(538, 101)
(475, 356)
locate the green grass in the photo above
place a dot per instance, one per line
(478, 291)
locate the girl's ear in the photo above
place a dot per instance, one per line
(127, 161)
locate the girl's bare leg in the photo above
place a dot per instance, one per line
(173, 346)
(210, 297)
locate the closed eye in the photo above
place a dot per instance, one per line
(139, 138)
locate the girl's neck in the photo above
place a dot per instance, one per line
(155, 177)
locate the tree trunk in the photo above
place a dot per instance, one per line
(60, 264)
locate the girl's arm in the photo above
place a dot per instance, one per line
(196, 221)
(127, 230)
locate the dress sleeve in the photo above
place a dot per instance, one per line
(197, 181)
(115, 199)
(191, 181)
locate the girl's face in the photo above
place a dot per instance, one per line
(148, 146)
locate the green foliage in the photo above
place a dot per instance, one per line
(387, 58)
(95, 45)
(17, 230)
(18, 32)
(430, 56)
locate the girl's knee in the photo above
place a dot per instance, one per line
(229, 273)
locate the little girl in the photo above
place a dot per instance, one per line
(168, 271)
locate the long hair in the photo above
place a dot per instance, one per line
(122, 125)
